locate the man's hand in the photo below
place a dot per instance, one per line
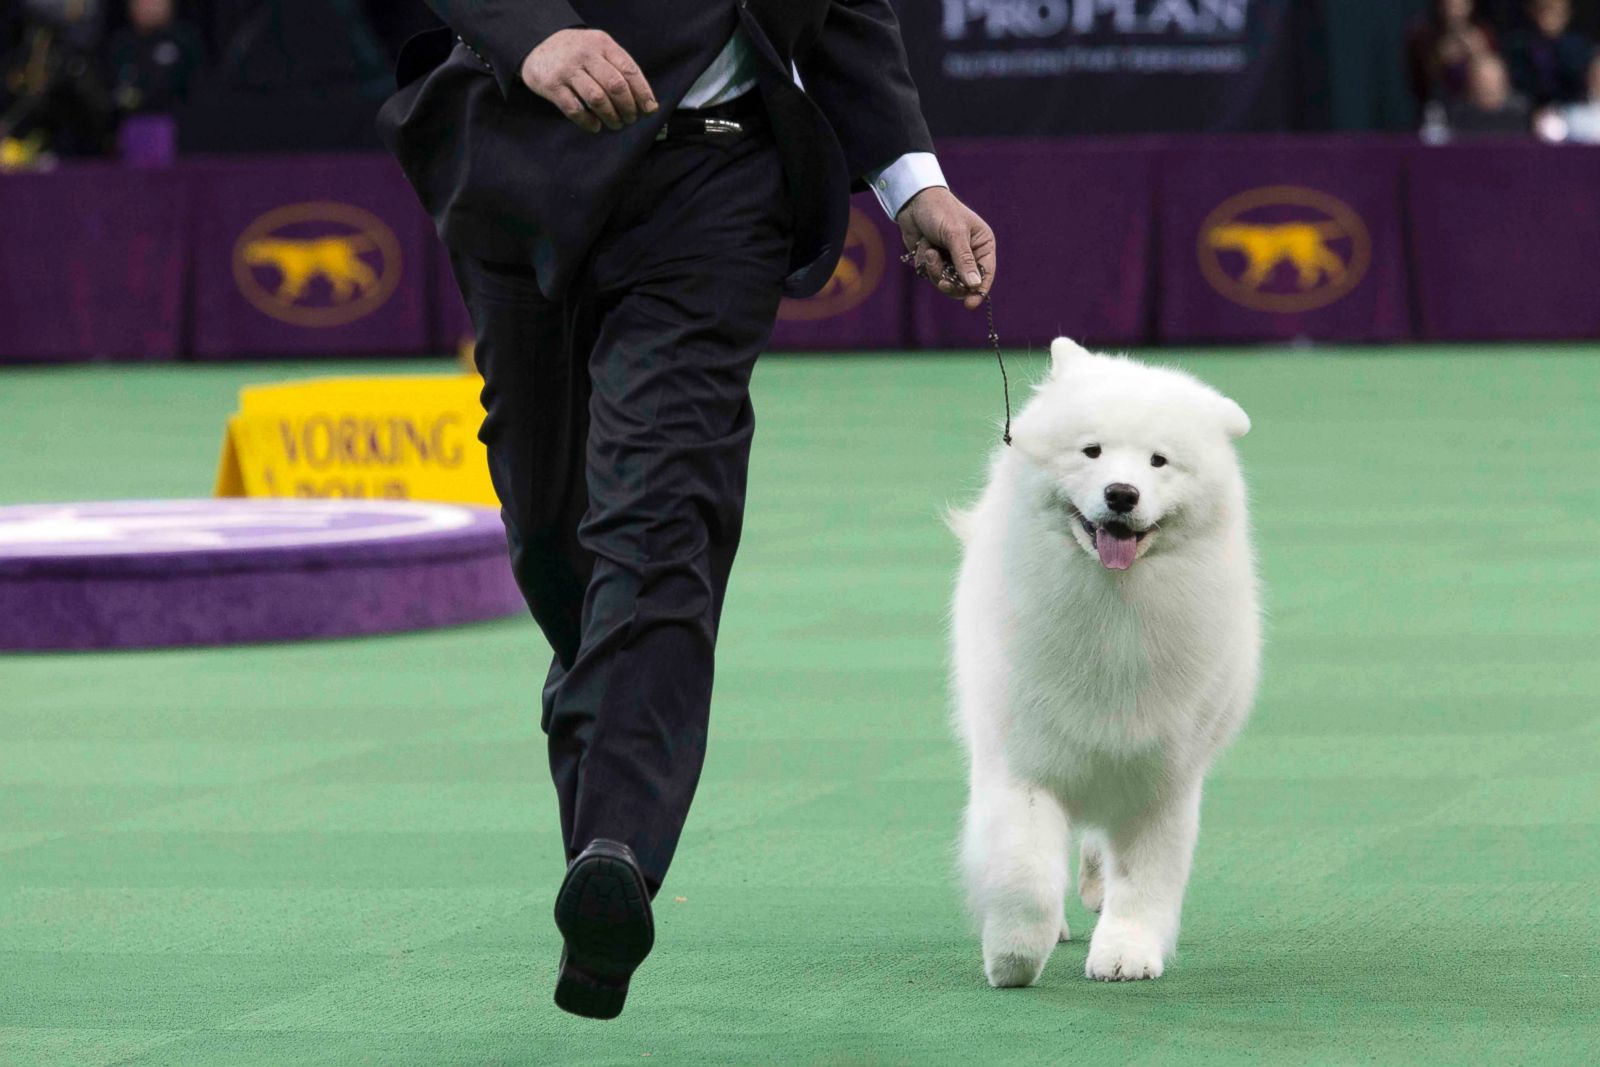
(934, 224)
(590, 78)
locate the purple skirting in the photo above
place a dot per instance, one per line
(216, 572)
(1116, 241)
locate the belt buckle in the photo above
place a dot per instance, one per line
(709, 127)
(723, 127)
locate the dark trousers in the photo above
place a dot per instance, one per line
(618, 429)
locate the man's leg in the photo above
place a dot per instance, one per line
(531, 352)
(694, 263)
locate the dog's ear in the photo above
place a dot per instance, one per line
(1063, 351)
(1031, 436)
(1235, 423)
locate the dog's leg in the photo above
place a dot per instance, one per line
(1091, 870)
(1016, 860)
(1146, 869)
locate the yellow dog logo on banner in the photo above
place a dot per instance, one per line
(857, 277)
(1302, 245)
(317, 264)
(1284, 249)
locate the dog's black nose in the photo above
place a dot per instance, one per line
(1122, 497)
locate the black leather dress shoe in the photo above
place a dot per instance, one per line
(603, 912)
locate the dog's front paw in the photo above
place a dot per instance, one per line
(1015, 949)
(1009, 970)
(1123, 952)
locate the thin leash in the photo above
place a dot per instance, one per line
(950, 275)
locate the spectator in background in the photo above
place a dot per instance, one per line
(54, 97)
(1489, 107)
(1577, 123)
(1548, 61)
(154, 59)
(1441, 48)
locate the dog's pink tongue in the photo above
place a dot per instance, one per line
(1116, 553)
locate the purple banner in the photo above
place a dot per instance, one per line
(91, 265)
(1117, 242)
(308, 255)
(1074, 234)
(864, 303)
(1282, 238)
(1505, 241)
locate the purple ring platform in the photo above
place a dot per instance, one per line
(147, 574)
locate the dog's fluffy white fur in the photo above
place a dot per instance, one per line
(1103, 657)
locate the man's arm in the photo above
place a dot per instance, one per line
(858, 74)
(896, 184)
(504, 32)
(546, 46)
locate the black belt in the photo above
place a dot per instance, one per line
(736, 118)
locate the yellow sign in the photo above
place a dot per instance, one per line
(858, 275)
(317, 264)
(1284, 249)
(384, 438)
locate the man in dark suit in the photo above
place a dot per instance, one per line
(627, 188)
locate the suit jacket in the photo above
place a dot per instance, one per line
(507, 177)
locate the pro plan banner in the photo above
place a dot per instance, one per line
(1038, 67)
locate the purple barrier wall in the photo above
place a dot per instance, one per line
(865, 303)
(1073, 229)
(1505, 241)
(308, 255)
(91, 265)
(1119, 242)
(1276, 239)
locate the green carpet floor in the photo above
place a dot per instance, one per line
(344, 853)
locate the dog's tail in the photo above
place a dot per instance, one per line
(960, 521)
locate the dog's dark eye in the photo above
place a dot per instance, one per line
(1093, 451)
(1158, 460)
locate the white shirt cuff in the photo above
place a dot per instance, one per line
(907, 176)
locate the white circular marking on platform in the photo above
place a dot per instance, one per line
(139, 526)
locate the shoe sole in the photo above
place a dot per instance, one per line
(603, 912)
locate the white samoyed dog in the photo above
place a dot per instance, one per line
(1106, 646)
